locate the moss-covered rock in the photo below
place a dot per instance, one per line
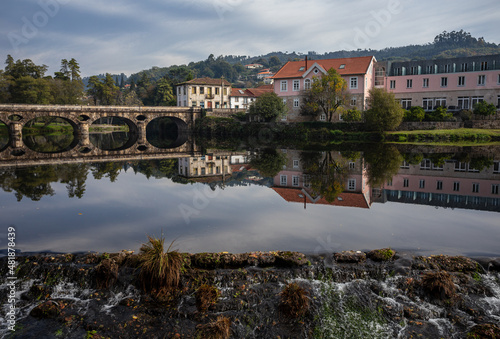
(384, 254)
(350, 257)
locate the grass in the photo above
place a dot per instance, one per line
(294, 300)
(219, 329)
(445, 136)
(160, 270)
(439, 284)
(106, 273)
(206, 296)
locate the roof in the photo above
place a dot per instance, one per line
(346, 199)
(206, 81)
(251, 92)
(296, 69)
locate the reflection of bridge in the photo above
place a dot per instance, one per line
(81, 117)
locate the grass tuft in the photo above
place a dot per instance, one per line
(439, 284)
(294, 300)
(219, 329)
(160, 270)
(206, 296)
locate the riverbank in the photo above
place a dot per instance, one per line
(377, 294)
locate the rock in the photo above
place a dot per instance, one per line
(489, 264)
(485, 331)
(290, 259)
(447, 263)
(384, 254)
(350, 257)
(46, 310)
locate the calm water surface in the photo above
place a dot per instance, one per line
(112, 206)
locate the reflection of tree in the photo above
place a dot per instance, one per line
(106, 169)
(383, 163)
(327, 175)
(74, 176)
(32, 182)
(48, 143)
(268, 161)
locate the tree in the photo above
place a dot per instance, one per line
(415, 113)
(268, 105)
(385, 113)
(484, 108)
(164, 93)
(383, 163)
(326, 95)
(352, 114)
(268, 161)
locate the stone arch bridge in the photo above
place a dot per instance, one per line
(81, 117)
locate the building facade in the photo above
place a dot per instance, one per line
(296, 76)
(204, 92)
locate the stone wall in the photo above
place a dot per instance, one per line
(224, 112)
(429, 125)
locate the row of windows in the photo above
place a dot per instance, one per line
(456, 186)
(432, 103)
(181, 90)
(351, 183)
(481, 81)
(446, 68)
(296, 102)
(444, 198)
(353, 84)
(427, 164)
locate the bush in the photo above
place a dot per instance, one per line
(439, 114)
(484, 108)
(439, 284)
(415, 113)
(352, 115)
(219, 329)
(160, 270)
(294, 300)
(465, 115)
(206, 296)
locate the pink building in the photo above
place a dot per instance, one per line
(296, 76)
(455, 83)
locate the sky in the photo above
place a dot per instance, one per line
(128, 36)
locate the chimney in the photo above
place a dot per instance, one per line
(306, 63)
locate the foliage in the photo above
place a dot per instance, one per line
(206, 296)
(326, 95)
(484, 108)
(465, 114)
(383, 163)
(103, 91)
(439, 114)
(385, 113)
(480, 162)
(268, 161)
(352, 114)
(415, 113)
(269, 106)
(159, 270)
(294, 300)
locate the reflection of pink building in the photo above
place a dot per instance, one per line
(296, 76)
(292, 184)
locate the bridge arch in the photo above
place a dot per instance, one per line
(172, 131)
(132, 127)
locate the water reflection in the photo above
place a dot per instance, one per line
(264, 199)
(110, 141)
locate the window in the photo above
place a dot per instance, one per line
(306, 179)
(444, 82)
(202, 90)
(351, 165)
(406, 103)
(405, 165)
(481, 80)
(475, 187)
(413, 70)
(461, 81)
(427, 104)
(460, 166)
(193, 90)
(425, 82)
(295, 180)
(296, 102)
(284, 101)
(302, 68)
(484, 65)
(463, 102)
(354, 82)
(393, 84)
(494, 188)
(351, 184)
(353, 101)
(284, 85)
(441, 102)
(397, 71)
(496, 167)
(447, 68)
(456, 186)
(283, 180)
(203, 171)
(409, 83)
(498, 79)
(475, 100)
(406, 182)
(322, 117)
(315, 71)
(217, 89)
(217, 169)
(429, 69)
(342, 66)
(425, 164)
(421, 183)
(295, 164)
(296, 85)
(307, 84)
(463, 67)
(194, 104)
(439, 185)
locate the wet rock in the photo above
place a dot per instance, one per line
(290, 259)
(37, 292)
(47, 310)
(402, 264)
(485, 331)
(106, 273)
(384, 254)
(350, 257)
(489, 264)
(218, 260)
(447, 263)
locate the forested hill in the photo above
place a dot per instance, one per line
(445, 45)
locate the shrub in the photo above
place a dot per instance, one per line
(439, 114)
(206, 296)
(106, 273)
(465, 114)
(484, 108)
(415, 113)
(439, 284)
(352, 115)
(159, 270)
(219, 329)
(294, 300)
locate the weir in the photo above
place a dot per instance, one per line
(82, 117)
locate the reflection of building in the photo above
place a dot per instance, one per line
(454, 184)
(293, 184)
(204, 92)
(209, 165)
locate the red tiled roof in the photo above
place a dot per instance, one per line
(235, 92)
(252, 92)
(357, 65)
(206, 81)
(347, 199)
